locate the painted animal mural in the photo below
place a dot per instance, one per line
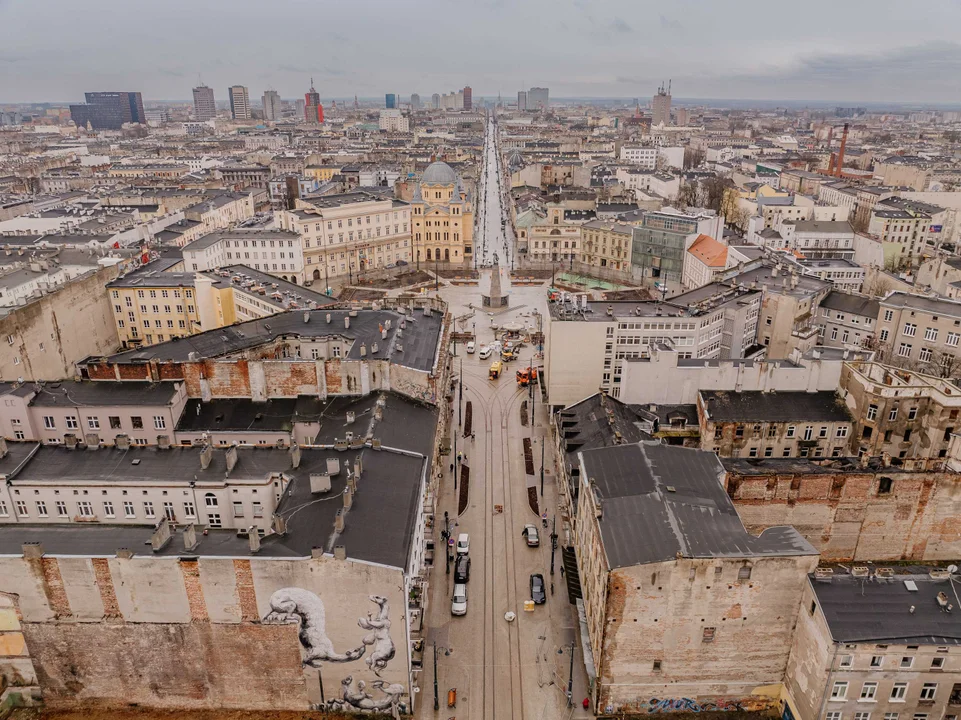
(379, 636)
(296, 605)
(304, 608)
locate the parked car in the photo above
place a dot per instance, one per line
(485, 352)
(458, 605)
(537, 589)
(462, 569)
(470, 348)
(530, 532)
(463, 544)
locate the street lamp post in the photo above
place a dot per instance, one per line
(570, 679)
(553, 542)
(460, 399)
(437, 701)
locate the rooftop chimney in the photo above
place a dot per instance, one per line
(231, 458)
(348, 497)
(190, 537)
(306, 316)
(206, 455)
(32, 550)
(122, 441)
(346, 322)
(339, 521)
(295, 455)
(163, 442)
(161, 536)
(3, 447)
(92, 440)
(340, 552)
(328, 318)
(253, 537)
(363, 349)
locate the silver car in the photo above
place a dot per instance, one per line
(458, 605)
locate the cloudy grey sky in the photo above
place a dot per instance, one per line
(836, 50)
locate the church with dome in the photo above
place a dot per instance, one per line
(442, 217)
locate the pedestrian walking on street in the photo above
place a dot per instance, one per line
(586, 703)
(452, 468)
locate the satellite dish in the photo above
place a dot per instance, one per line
(952, 569)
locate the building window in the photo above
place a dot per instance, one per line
(93, 423)
(210, 500)
(931, 334)
(61, 508)
(888, 315)
(258, 509)
(790, 431)
(708, 635)
(148, 509)
(71, 422)
(137, 422)
(910, 329)
(85, 509)
(846, 661)
(872, 412)
(41, 508)
(213, 520)
(877, 661)
(128, 511)
(912, 413)
(189, 510)
(890, 716)
(928, 691)
(907, 662)
(49, 422)
(238, 509)
(862, 716)
(808, 432)
(744, 572)
(952, 338)
(839, 691)
(904, 350)
(937, 663)
(924, 355)
(169, 511)
(869, 690)
(159, 422)
(893, 413)
(108, 509)
(832, 715)
(899, 691)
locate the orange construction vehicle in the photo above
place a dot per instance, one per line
(527, 376)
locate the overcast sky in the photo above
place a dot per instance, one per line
(839, 50)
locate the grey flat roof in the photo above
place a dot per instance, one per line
(934, 305)
(660, 502)
(379, 527)
(68, 393)
(241, 234)
(852, 304)
(756, 406)
(243, 414)
(419, 341)
(291, 292)
(872, 610)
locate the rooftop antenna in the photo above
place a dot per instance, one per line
(668, 86)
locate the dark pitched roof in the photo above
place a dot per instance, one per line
(756, 406)
(661, 501)
(596, 421)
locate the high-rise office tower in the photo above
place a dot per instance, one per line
(468, 99)
(239, 102)
(683, 117)
(522, 100)
(313, 110)
(390, 100)
(272, 107)
(205, 108)
(109, 110)
(662, 106)
(415, 101)
(538, 98)
(435, 101)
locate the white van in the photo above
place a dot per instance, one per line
(470, 348)
(485, 352)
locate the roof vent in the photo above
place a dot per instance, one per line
(860, 571)
(911, 586)
(884, 572)
(823, 574)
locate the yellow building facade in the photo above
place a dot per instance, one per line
(442, 217)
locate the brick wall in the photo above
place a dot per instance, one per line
(885, 514)
(195, 665)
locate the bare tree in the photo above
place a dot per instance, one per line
(693, 157)
(876, 286)
(715, 191)
(688, 195)
(943, 364)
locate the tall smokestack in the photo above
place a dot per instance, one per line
(844, 142)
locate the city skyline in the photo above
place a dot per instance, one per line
(627, 48)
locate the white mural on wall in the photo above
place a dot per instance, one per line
(304, 608)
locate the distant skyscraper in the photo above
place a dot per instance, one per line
(414, 101)
(313, 110)
(522, 100)
(205, 108)
(391, 101)
(538, 98)
(468, 100)
(272, 107)
(683, 117)
(435, 101)
(109, 110)
(662, 106)
(239, 102)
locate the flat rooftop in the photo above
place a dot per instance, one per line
(903, 609)
(755, 406)
(68, 393)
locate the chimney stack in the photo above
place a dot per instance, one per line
(161, 536)
(306, 316)
(295, 455)
(190, 537)
(340, 552)
(339, 521)
(231, 458)
(348, 497)
(32, 550)
(253, 538)
(328, 318)
(206, 455)
(122, 442)
(346, 322)
(363, 349)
